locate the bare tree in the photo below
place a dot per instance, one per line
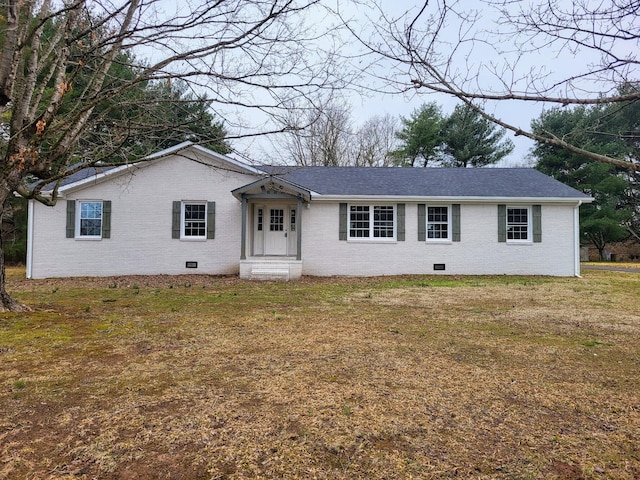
(326, 135)
(316, 136)
(374, 141)
(58, 76)
(329, 136)
(501, 53)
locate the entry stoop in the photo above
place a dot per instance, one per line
(270, 269)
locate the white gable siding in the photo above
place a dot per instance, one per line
(478, 252)
(141, 242)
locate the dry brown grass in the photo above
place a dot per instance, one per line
(407, 377)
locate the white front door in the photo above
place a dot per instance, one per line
(276, 231)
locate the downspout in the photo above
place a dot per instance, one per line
(576, 235)
(30, 211)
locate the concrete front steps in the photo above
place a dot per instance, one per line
(271, 268)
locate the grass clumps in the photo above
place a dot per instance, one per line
(401, 377)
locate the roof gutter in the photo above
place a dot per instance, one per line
(470, 199)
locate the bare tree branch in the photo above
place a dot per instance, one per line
(501, 52)
(66, 66)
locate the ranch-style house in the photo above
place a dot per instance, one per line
(187, 209)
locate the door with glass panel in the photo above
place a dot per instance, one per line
(276, 231)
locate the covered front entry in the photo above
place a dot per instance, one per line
(274, 229)
(271, 241)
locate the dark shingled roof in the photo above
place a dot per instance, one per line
(412, 182)
(78, 176)
(427, 182)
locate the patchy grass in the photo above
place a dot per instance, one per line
(201, 377)
(625, 265)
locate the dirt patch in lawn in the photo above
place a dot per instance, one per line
(406, 377)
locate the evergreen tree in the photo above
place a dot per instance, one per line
(462, 139)
(471, 140)
(608, 219)
(420, 137)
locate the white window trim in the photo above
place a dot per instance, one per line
(529, 239)
(371, 238)
(78, 218)
(193, 238)
(449, 225)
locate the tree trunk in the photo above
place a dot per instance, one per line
(598, 242)
(7, 304)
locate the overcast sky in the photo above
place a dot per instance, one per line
(366, 105)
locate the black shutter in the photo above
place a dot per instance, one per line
(71, 218)
(502, 223)
(342, 227)
(422, 222)
(537, 223)
(106, 219)
(400, 230)
(175, 220)
(455, 222)
(211, 220)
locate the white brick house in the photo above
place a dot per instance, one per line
(190, 210)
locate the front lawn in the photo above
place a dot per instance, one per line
(197, 377)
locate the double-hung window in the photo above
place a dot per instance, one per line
(193, 220)
(88, 219)
(438, 223)
(372, 222)
(518, 224)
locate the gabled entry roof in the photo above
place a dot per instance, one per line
(272, 187)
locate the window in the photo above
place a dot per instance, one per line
(518, 227)
(193, 220)
(438, 223)
(292, 220)
(383, 222)
(359, 224)
(372, 222)
(276, 220)
(260, 220)
(520, 224)
(194, 216)
(90, 219)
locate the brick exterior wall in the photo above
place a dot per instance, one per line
(477, 253)
(141, 241)
(141, 219)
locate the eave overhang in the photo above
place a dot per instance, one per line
(450, 199)
(188, 150)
